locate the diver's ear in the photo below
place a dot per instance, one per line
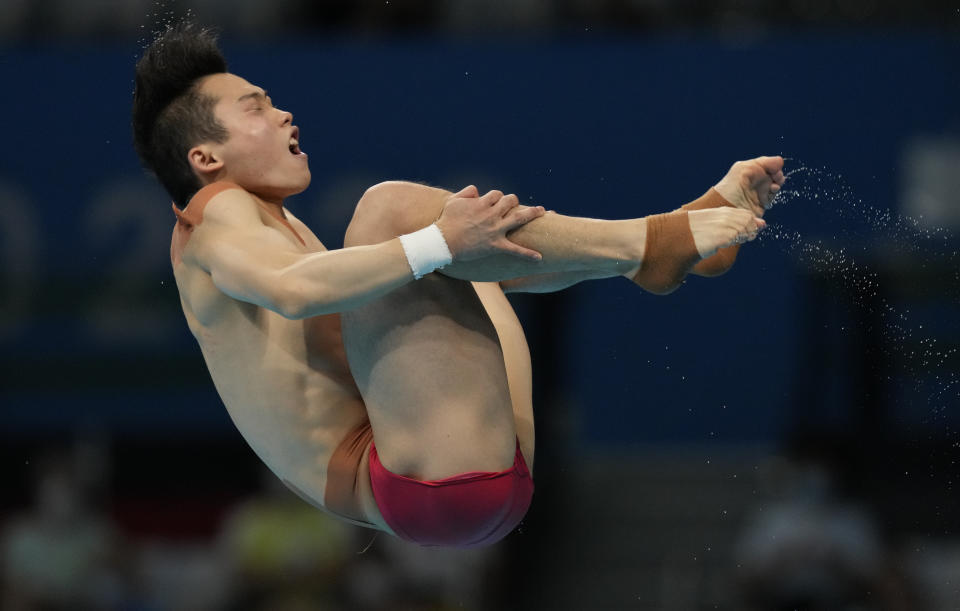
(204, 160)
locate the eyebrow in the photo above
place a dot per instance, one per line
(253, 94)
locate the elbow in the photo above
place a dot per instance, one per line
(289, 309)
(297, 302)
(292, 303)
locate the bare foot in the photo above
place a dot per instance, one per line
(752, 185)
(715, 228)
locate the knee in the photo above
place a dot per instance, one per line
(392, 208)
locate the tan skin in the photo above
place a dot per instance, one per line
(265, 308)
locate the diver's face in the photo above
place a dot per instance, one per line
(262, 152)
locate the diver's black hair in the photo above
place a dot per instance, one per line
(170, 114)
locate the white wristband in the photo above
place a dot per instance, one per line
(426, 250)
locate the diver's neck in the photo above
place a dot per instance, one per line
(273, 204)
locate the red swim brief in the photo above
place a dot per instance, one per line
(467, 510)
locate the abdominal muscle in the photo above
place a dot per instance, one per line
(285, 384)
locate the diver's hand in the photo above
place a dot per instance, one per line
(476, 227)
(752, 185)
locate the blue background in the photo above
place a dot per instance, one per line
(611, 127)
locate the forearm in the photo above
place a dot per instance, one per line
(338, 280)
(567, 244)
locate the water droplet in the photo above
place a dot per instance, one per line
(826, 194)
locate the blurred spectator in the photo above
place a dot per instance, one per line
(930, 190)
(398, 574)
(63, 553)
(283, 554)
(811, 552)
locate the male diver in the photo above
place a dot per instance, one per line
(388, 382)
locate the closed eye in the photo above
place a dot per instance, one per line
(259, 107)
(258, 98)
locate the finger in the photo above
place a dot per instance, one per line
(470, 191)
(779, 178)
(491, 197)
(515, 249)
(507, 203)
(523, 216)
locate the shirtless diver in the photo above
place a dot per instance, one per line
(388, 382)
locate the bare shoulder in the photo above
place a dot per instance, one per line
(215, 208)
(232, 206)
(233, 221)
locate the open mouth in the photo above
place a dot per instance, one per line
(294, 144)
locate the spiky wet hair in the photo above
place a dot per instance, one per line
(170, 113)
